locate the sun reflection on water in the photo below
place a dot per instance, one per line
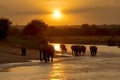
(57, 72)
(56, 47)
(54, 79)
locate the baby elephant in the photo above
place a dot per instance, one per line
(93, 50)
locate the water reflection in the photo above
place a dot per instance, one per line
(101, 48)
(57, 72)
(65, 69)
(57, 47)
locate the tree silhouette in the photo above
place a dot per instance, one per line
(34, 31)
(35, 28)
(4, 26)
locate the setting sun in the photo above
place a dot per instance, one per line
(57, 14)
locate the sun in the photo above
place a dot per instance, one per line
(57, 14)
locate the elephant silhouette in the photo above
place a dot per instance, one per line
(82, 50)
(78, 50)
(75, 49)
(46, 53)
(63, 48)
(93, 50)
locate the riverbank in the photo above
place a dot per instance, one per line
(10, 53)
(105, 66)
(98, 40)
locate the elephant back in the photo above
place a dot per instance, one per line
(93, 48)
(82, 48)
(75, 47)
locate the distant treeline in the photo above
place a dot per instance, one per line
(84, 30)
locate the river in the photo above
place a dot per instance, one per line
(105, 66)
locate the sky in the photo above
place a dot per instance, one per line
(72, 12)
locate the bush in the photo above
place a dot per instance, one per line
(4, 26)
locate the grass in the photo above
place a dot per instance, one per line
(20, 41)
(83, 39)
(34, 43)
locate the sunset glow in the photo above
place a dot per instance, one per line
(57, 14)
(61, 12)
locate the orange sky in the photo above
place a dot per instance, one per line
(73, 11)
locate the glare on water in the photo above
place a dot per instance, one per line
(56, 47)
(70, 68)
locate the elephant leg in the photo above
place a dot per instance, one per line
(45, 58)
(92, 54)
(72, 52)
(48, 58)
(95, 53)
(75, 53)
(52, 58)
(80, 53)
(83, 53)
(41, 56)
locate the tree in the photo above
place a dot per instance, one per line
(34, 31)
(14, 31)
(35, 28)
(85, 29)
(4, 26)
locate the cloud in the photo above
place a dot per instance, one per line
(93, 9)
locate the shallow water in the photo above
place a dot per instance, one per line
(101, 48)
(68, 68)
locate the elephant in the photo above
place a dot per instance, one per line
(23, 49)
(78, 50)
(75, 49)
(46, 52)
(63, 48)
(42, 56)
(82, 50)
(50, 53)
(93, 50)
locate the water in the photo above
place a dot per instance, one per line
(101, 48)
(105, 66)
